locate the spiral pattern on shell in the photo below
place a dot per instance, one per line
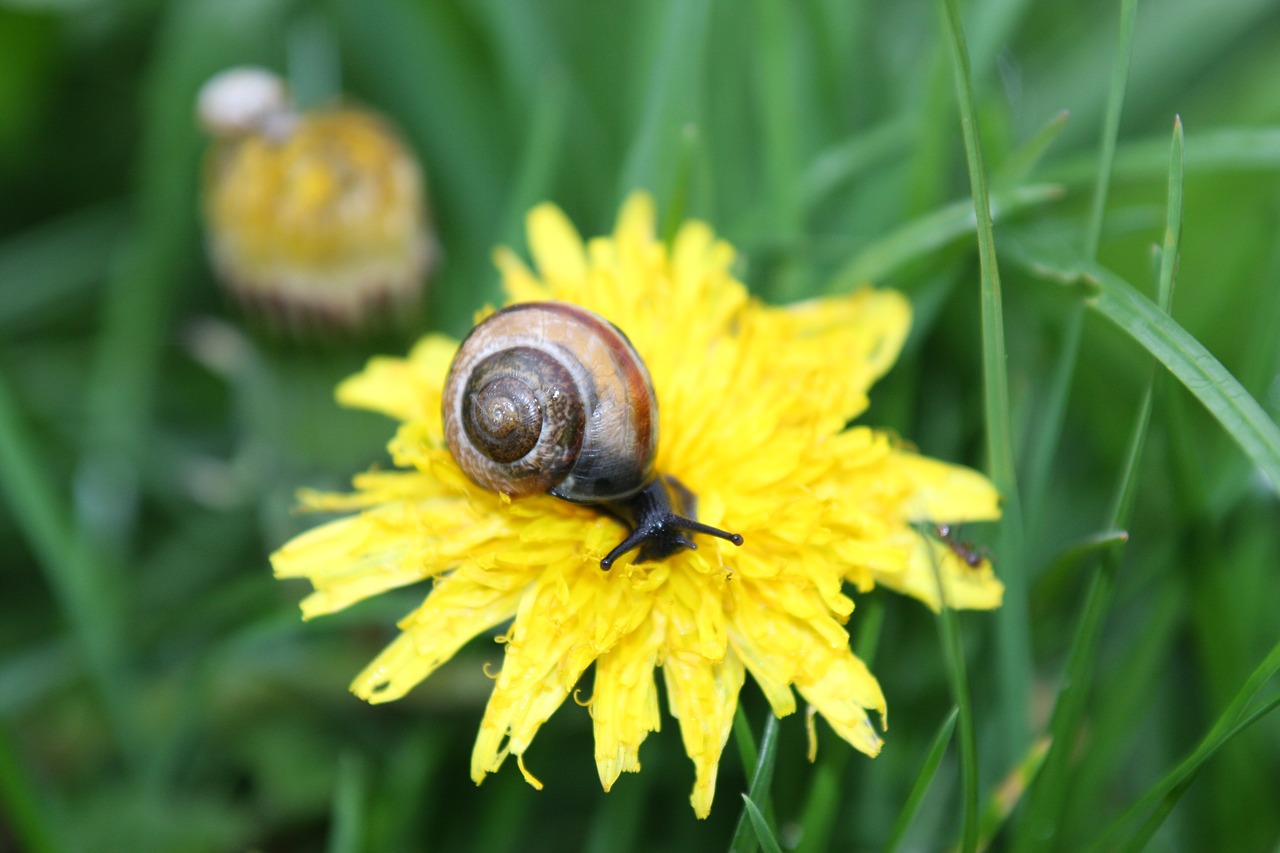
(547, 397)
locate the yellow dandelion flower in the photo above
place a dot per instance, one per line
(315, 220)
(754, 403)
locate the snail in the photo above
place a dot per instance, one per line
(550, 398)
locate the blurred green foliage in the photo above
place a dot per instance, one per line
(157, 689)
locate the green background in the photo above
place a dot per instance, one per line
(157, 688)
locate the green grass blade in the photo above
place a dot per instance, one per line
(745, 740)
(777, 109)
(618, 824)
(1173, 222)
(1142, 837)
(776, 104)
(1045, 440)
(842, 163)
(1111, 128)
(1023, 162)
(1194, 366)
(550, 110)
(350, 793)
(1054, 578)
(392, 47)
(1007, 793)
(924, 779)
(747, 835)
(692, 147)
(1014, 645)
(825, 798)
(670, 100)
(928, 167)
(1217, 150)
(761, 827)
(1185, 357)
(931, 232)
(1045, 436)
(26, 809)
(953, 656)
(1229, 723)
(953, 651)
(823, 803)
(70, 568)
(1048, 793)
(315, 69)
(1048, 799)
(1136, 676)
(58, 262)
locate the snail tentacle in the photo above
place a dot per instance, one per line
(659, 516)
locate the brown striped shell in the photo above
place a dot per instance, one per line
(547, 397)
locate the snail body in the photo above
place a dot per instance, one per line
(547, 397)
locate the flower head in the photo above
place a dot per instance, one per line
(316, 219)
(754, 405)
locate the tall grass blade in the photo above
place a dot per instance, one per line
(1232, 149)
(1023, 162)
(1230, 723)
(670, 101)
(745, 740)
(822, 805)
(350, 793)
(547, 127)
(1186, 358)
(1143, 836)
(1110, 128)
(931, 232)
(1048, 800)
(70, 567)
(761, 826)
(618, 825)
(747, 836)
(57, 262)
(924, 779)
(1171, 245)
(953, 651)
(842, 163)
(28, 817)
(1014, 647)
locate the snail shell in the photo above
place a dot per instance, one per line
(547, 397)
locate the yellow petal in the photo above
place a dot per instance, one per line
(402, 388)
(624, 704)
(967, 587)
(634, 232)
(841, 688)
(556, 246)
(454, 613)
(354, 558)
(703, 697)
(570, 617)
(518, 281)
(944, 492)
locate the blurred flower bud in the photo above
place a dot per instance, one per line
(315, 221)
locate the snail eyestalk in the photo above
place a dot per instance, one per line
(662, 518)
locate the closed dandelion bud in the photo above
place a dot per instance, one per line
(315, 221)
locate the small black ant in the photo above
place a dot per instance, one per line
(970, 554)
